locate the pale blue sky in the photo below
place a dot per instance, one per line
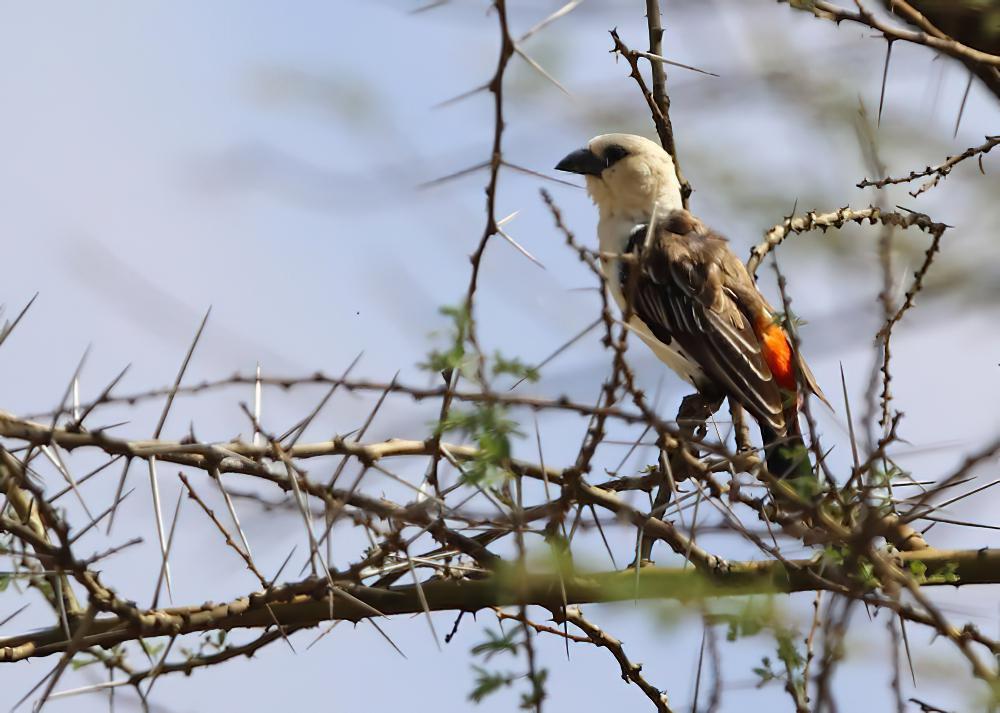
(265, 159)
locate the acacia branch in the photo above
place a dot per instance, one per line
(631, 672)
(837, 219)
(305, 604)
(953, 48)
(937, 172)
(659, 109)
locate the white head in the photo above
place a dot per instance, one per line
(627, 175)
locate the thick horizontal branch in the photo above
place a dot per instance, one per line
(307, 603)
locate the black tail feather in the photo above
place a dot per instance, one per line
(786, 456)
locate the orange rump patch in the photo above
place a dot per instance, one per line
(777, 351)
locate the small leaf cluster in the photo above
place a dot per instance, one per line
(755, 618)
(514, 367)
(946, 575)
(211, 642)
(793, 662)
(860, 569)
(488, 681)
(454, 357)
(485, 423)
(788, 319)
(488, 426)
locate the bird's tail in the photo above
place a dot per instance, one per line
(786, 455)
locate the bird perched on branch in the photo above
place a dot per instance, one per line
(690, 298)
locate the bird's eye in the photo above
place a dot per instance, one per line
(613, 154)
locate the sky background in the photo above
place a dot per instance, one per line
(268, 160)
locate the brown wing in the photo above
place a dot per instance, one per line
(681, 291)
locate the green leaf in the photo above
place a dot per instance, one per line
(834, 555)
(151, 649)
(946, 575)
(866, 574)
(787, 651)
(488, 682)
(764, 672)
(489, 427)
(514, 367)
(454, 356)
(81, 660)
(497, 642)
(753, 618)
(783, 319)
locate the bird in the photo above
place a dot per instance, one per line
(689, 297)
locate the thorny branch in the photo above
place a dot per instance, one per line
(970, 42)
(936, 172)
(863, 16)
(659, 108)
(451, 521)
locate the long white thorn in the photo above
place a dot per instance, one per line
(256, 411)
(155, 487)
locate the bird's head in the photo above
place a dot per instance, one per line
(626, 174)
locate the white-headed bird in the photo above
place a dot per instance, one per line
(691, 299)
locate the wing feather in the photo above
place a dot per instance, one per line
(679, 298)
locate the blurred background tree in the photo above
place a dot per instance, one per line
(316, 175)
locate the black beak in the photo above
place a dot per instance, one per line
(583, 161)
